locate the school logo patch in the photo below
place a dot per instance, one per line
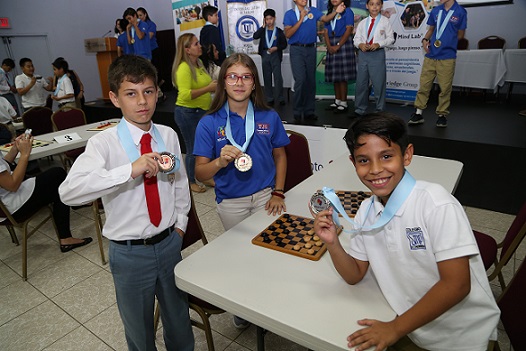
(262, 128)
(221, 135)
(415, 236)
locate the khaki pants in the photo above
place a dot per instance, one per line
(443, 71)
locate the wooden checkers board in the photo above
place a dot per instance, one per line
(293, 235)
(351, 200)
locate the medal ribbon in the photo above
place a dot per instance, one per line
(442, 26)
(272, 38)
(333, 22)
(59, 83)
(397, 198)
(133, 29)
(249, 126)
(131, 149)
(298, 14)
(371, 34)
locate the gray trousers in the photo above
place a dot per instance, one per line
(303, 64)
(371, 66)
(272, 67)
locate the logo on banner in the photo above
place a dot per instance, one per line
(246, 26)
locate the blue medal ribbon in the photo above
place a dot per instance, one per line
(249, 127)
(272, 38)
(131, 149)
(333, 22)
(367, 24)
(58, 84)
(441, 26)
(298, 14)
(396, 200)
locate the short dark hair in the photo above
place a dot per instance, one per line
(130, 11)
(8, 62)
(269, 12)
(132, 68)
(387, 126)
(24, 60)
(209, 11)
(61, 63)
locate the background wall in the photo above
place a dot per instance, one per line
(67, 23)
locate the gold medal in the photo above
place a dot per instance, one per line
(243, 163)
(437, 43)
(133, 41)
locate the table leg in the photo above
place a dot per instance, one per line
(260, 333)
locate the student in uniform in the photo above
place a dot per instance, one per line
(137, 32)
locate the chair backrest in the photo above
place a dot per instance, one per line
(68, 117)
(522, 43)
(299, 166)
(463, 44)
(492, 42)
(512, 306)
(514, 235)
(194, 231)
(38, 119)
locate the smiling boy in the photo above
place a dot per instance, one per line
(424, 257)
(146, 211)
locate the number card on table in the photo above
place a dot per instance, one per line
(66, 138)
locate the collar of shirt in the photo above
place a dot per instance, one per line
(137, 133)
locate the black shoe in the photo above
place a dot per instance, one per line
(282, 103)
(66, 248)
(311, 117)
(416, 118)
(441, 121)
(340, 110)
(331, 107)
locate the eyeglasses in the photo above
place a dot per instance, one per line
(232, 79)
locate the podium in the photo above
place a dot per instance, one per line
(106, 49)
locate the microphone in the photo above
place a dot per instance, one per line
(108, 32)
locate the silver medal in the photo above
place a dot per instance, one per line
(319, 203)
(243, 163)
(166, 162)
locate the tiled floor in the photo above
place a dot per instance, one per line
(68, 301)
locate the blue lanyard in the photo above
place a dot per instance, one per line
(396, 200)
(131, 149)
(371, 35)
(249, 126)
(298, 14)
(272, 38)
(59, 83)
(442, 26)
(333, 21)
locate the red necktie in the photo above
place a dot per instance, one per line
(150, 186)
(369, 31)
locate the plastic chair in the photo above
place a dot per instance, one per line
(39, 120)
(195, 233)
(522, 43)
(489, 248)
(491, 42)
(10, 222)
(463, 44)
(66, 118)
(299, 166)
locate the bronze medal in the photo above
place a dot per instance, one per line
(437, 43)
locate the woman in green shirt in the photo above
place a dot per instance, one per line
(194, 86)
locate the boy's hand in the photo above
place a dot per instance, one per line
(24, 145)
(363, 47)
(324, 226)
(275, 205)
(146, 165)
(340, 8)
(376, 333)
(303, 13)
(374, 47)
(228, 154)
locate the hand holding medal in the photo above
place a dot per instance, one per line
(228, 154)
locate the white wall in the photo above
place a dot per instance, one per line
(68, 22)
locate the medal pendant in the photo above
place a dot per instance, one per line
(243, 163)
(437, 43)
(166, 162)
(319, 203)
(133, 41)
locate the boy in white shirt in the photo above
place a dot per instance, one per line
(31, 88)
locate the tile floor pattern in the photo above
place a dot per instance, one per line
(68, 301)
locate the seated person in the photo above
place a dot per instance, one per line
(7, 130)
(23, 197)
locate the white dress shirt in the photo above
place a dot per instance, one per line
(36, 96)
(383, 34)
(13, 200)
(104, 170)
(7, 112)
(4, 83)
(64, 88)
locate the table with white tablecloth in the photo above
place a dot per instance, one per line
(515, 65)
(481, 69)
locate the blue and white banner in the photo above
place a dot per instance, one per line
(244, 18)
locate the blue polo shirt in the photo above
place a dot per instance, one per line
(142, 46)
(449, 38)
(122, 41)
(152, 27)
(307, 32)
(344, 20)
(269, 134)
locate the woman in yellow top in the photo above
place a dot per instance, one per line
(194, 86)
